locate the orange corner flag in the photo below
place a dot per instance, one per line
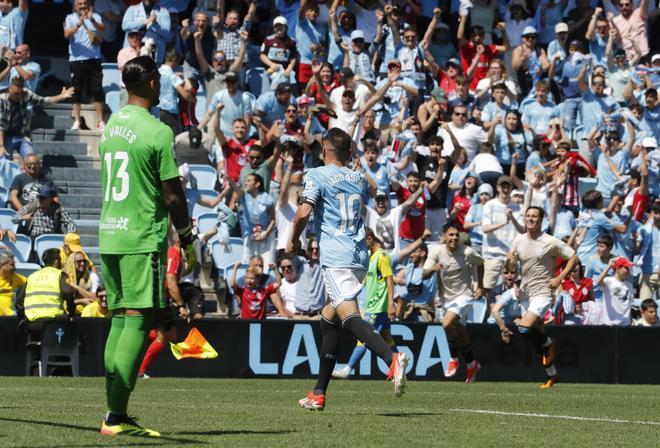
(195, 346)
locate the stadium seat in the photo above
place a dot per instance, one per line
(8, 170)
(199, 210)
(205, 175)
(221, 258)
(21, 247)
(229, 271)
(58, 347)
(112, 100)
(257, 81)
(206, 221)
(585, 184)
(477, 313)
(4, 196)
(25, 269)
(47, 241)
(5, 219)
(111, 77)
(200, 105)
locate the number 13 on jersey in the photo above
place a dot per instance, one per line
(119, 184)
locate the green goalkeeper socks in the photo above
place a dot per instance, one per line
(110, 349)
(126, 360)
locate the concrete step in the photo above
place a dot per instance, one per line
(61, 113)
(95, 190)
(69, 174)
(50, 160)
(81, 201)
(91, 138)
(84, 213)
(89, 240)
(65, 148)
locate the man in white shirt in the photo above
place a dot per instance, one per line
(384, 221)
(500, 224)
(285, 208)
(469, 135)
(538, 253)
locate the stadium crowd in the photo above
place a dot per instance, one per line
(462, 113)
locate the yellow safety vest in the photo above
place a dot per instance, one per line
(43, 299)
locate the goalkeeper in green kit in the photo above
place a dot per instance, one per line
(141, 188)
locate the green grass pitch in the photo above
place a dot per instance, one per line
(66, 412)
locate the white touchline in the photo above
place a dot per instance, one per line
(564, 417)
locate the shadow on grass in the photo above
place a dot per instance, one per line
(160, 441)
(408, 414)
(230, 432)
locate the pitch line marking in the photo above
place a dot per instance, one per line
(562, 417)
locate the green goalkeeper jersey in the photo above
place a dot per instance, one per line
(136, 155)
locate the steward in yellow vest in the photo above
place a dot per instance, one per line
(46, 292)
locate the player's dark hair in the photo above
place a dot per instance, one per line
(535, 207)
(136, 73)
(341, 143)
(591, 199)
(648, 303)
(259, 179)
(606, 239)
(51, 256)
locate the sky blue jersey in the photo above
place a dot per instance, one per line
(337, 195)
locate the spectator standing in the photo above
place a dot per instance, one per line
(44, 215)
(618, 292)
(474, 217)
(278, 50)
(111, 12)
(529, 61)
(649, 240)
(228, 32)
(593, 223)
(9, 282)
(235, 149)
(12, 23)
(271, 106)
(171, 87)
(595, 102)
(16, 118)
(386, 221)
(537, 114)
(236, 104)
(468, 135)
(599, 262)
(578, 20)
(199, 33)
(154, 20)
(83, 28)
(518, 20)
(500, 224)
(20, 65)
(631, 26)
(311, 38)
(132, 50)
(302, 289)
(285, 210)
(567, 78)
(214, 73)
(415, 291)
(511, 138)
(257, 164)
(24, 187)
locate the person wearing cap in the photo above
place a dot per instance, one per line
(446, 78)
(651, 154)
(83, 28)
(631, 26)
(9, 282)
(518, 20)
(341, 27)
(472, 223)
(71, 245)
(44, 215)
(648, 241)
(154, 20)
(557, 49)
(538, 254)
(171, 87)
(432, 113)
(278, 51)
(500, 224)
(436, 43)
(130, 51)
(315, 130)
(195, 146)
(476, 51)
(618, 292)
(529, 61)
(231, 104)
(311, 38)
(401, 93)
(357, 57)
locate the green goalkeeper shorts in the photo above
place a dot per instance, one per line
(134, 281)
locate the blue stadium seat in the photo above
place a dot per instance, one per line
(221, 258)
(25, 269)
(47, 241)
(478, 311)
(206, 221)
(585, 184)
(229, 271)
(200, 105)
(5, 219)
(4, 196)
(8, 170)
(112, 100)
(206, 176)
(111, 77)
(21, 248)
(257, 81)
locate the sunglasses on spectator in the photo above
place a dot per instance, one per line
(80, 261)
(291, 111)
(219, 58)
(530, 36)
(599, 83)
(286, 267)
(460, 114)
(409, 37)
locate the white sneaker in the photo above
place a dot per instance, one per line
(397, 373)
(75, 126)
(342, 373)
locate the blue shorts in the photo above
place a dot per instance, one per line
(380, 321)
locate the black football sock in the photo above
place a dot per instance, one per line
(330, 333)
(367, 334)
